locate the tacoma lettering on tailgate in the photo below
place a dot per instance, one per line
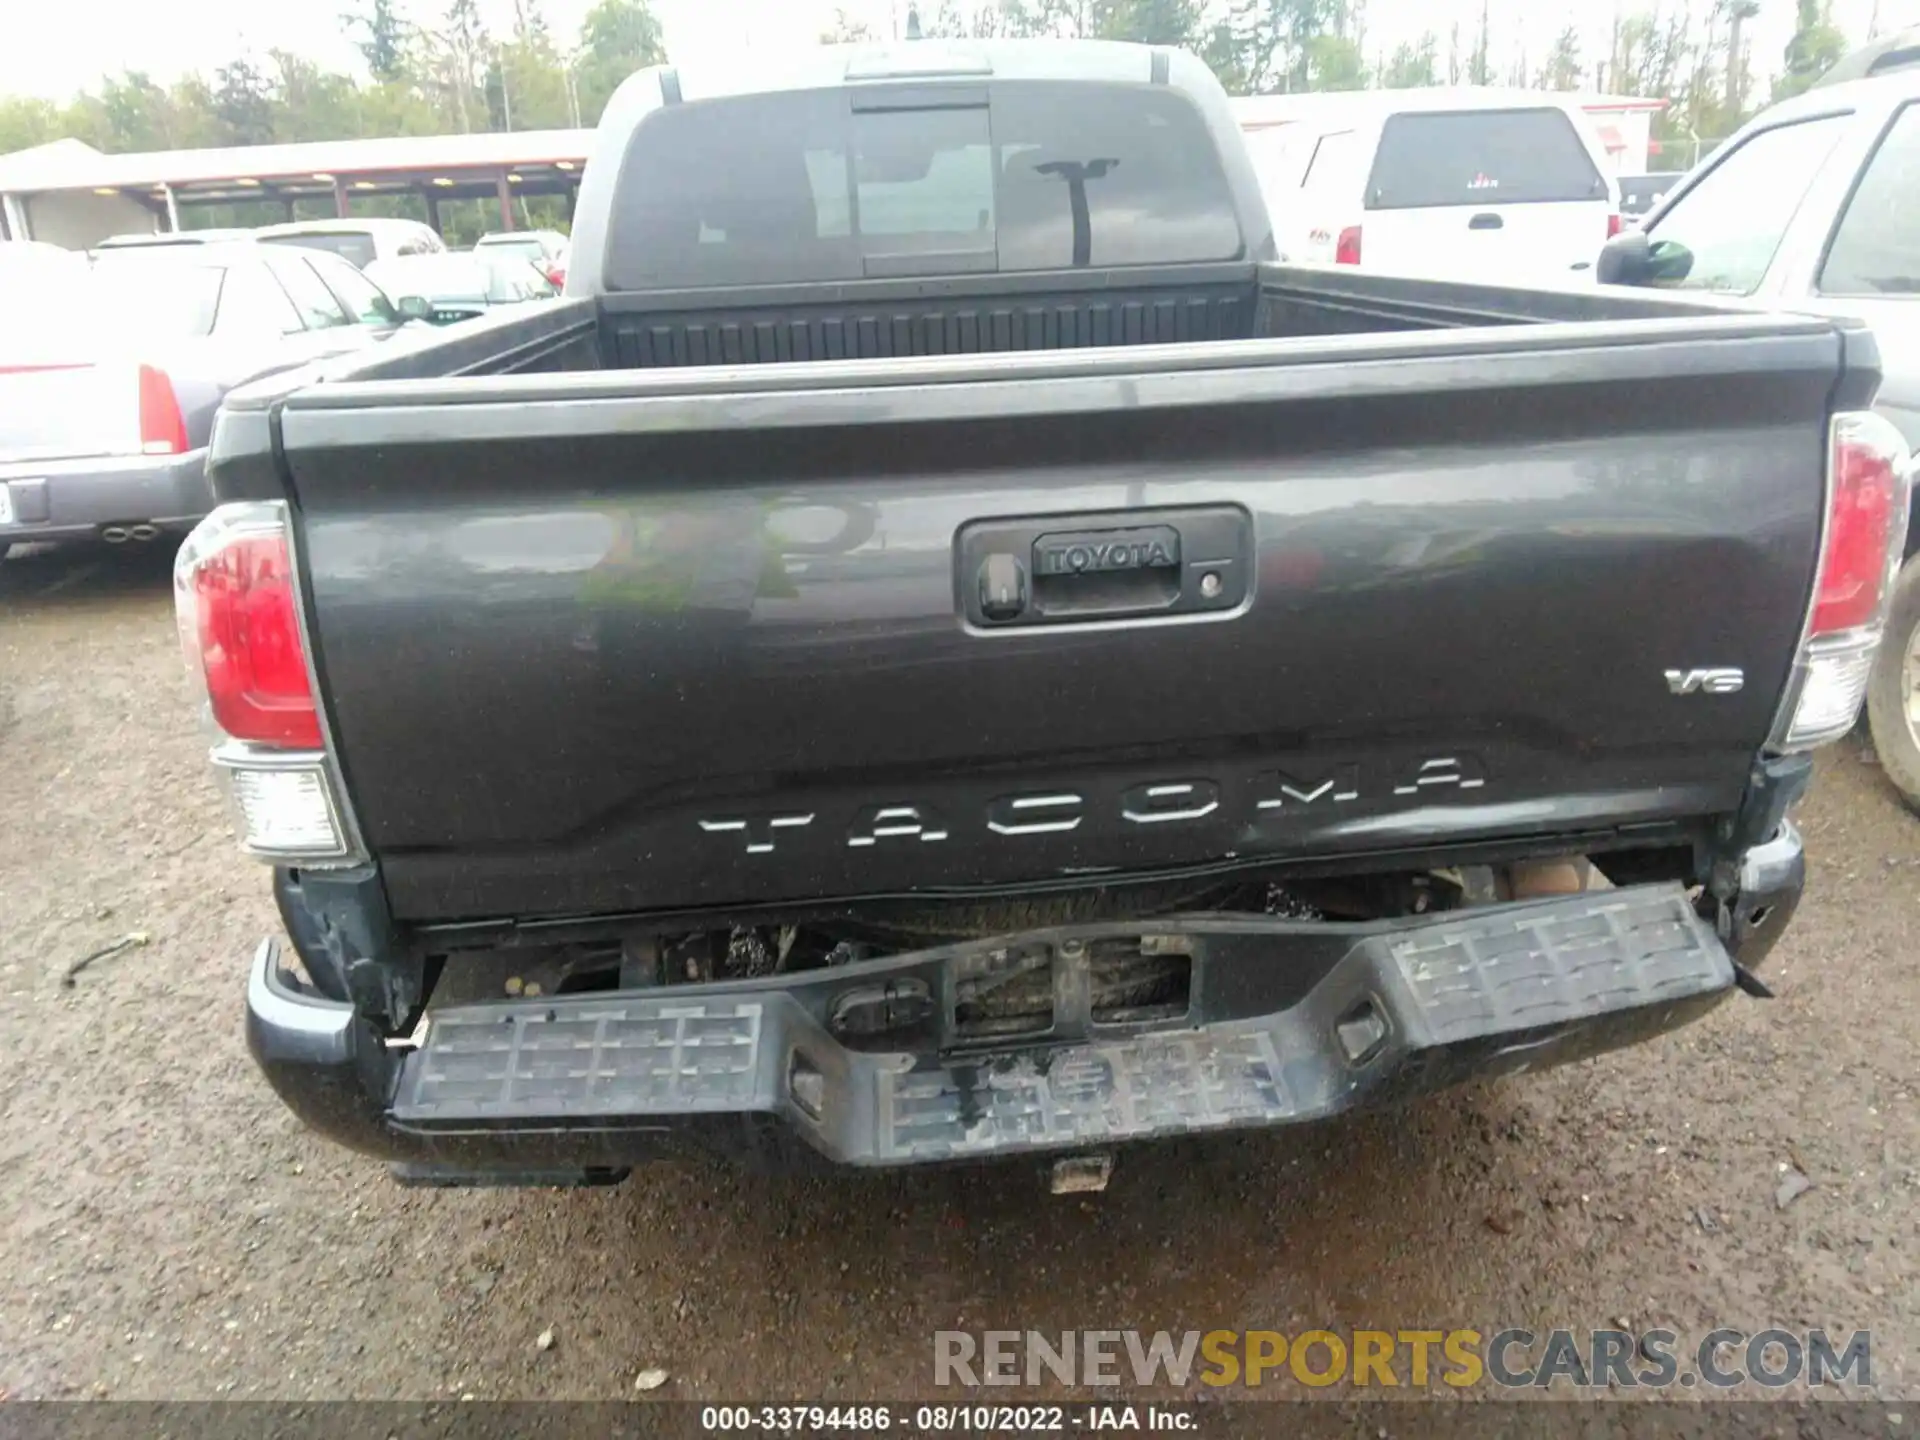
(1153, 802)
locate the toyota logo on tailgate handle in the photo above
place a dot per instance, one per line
(1075, 569)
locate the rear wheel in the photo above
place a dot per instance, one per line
(1893, 694)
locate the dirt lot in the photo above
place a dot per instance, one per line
(170, 1232)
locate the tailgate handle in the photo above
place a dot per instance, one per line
(1107, 572)
(1486, 222)
(1073, 569)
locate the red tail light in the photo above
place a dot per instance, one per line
(163, 431)
(1346, 250)
(240, 625)
(237, 599)
(1614, 225)
(1860, 547)
(1865, 503)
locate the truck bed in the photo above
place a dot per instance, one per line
(884, 320)
(629, 642)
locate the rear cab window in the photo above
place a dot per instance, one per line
(1483, 158)
(848, 184)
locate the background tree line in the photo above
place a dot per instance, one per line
(450, 74)
(434, 71)
(1691, 52)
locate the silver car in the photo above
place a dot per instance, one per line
(1815, 205)
(110, 375)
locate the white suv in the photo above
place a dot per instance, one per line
(1504, 186)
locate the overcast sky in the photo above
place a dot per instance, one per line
(54, 49)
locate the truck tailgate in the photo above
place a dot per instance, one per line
(656, 641)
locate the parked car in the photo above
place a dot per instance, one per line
(1131, 688)
(357, 241)
(171, 239)
(1453, 184)
(110, 376)
(547, 249)
(1815, 205)
(1640, 195)
(451, 288)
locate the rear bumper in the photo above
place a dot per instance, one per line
(76, 499)
(1285, 1021)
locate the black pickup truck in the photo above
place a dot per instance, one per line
(941, 646)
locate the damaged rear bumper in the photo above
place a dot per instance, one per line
(879, 1064)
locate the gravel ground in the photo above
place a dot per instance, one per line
(171, 1232)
